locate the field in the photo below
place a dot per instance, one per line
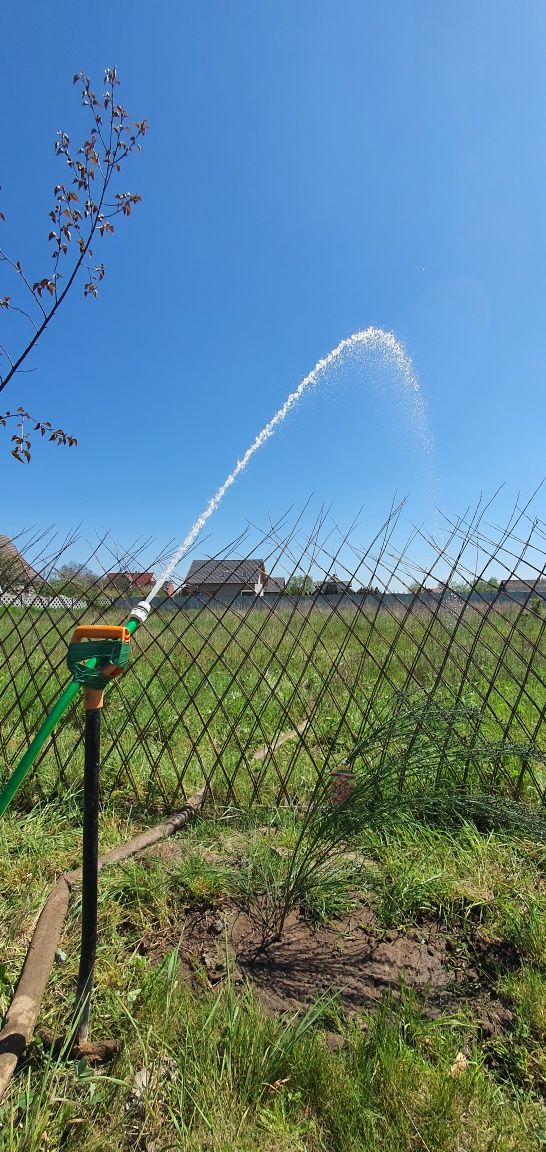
(207, 690)
(284, 974)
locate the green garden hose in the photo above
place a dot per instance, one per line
(59, 708)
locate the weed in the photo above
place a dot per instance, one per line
(525, 929)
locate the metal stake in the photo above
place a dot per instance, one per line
(88, 950)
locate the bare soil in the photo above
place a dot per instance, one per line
(353, 957)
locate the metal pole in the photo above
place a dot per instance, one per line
(88, 949)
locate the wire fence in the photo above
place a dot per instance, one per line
(286, 655)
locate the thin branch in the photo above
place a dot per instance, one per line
(69, 220)
(6, 354)
(16, 265)
(15, 308)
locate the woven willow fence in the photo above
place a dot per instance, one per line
(257, 694)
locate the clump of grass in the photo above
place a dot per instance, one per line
(413, 871)
(395, 765)
(526, 990)
(524, 926)
(202, 881)
(520, 1056)
(273, 883)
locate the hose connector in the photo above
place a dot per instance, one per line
(141, 612)
(97, 653)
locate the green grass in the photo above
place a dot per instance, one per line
(202, 694)
(208, 1069)
(215, 1072)
(414, 871)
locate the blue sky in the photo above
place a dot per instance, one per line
(312, 168)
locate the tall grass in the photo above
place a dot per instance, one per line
(217, 1073)
(204, 693)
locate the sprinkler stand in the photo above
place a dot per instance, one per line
(96, 653)
(93, 699)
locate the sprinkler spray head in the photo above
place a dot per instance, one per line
(141, 612)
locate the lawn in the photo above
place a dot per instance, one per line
(205, 691)
(283, 974)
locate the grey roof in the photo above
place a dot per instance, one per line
(344, 584)
(518, 584)
(275, 584)
(224, 571)
(18, 566)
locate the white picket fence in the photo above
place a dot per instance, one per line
(33, 600)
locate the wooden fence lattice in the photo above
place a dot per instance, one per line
(256, 700)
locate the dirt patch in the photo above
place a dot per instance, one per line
(354, 958)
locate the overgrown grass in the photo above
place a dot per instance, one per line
(414, 871)
(433, 834)
(216, 1073)
(203, 693)
(211, 1070)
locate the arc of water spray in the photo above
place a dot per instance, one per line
(367, 337)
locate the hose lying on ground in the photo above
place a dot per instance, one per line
(23, 1011)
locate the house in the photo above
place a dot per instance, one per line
(332, 586)
(15, 572)
(531, 587)
(130, 581)
(225, 580)
(135, 583)
(275, 585)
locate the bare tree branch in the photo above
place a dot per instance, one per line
(77, 217)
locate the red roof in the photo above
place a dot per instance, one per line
(141, 579)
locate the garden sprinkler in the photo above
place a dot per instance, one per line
(138, 615)
(97, 653)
